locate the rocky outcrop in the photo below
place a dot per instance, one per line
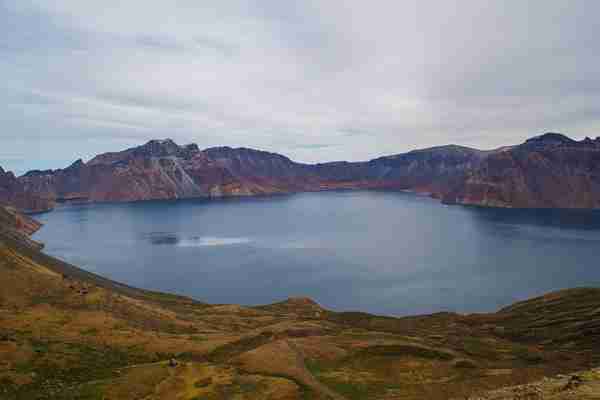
(14, 193)
(547, 171)
(582, 385)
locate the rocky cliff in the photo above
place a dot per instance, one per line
(14, 193)
(546, 171)
(435, 170)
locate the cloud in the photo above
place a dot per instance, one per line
(314, 80)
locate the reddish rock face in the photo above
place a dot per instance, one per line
(164, 170)
(14, 193)
(547, 171)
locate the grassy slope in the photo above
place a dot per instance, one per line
(69, 334)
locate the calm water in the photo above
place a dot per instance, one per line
(390, 253)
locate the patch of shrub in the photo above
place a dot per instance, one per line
(400, 350)
(464, 364)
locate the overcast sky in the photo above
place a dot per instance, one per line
(315, 80)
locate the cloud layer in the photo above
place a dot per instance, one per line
(315, 80)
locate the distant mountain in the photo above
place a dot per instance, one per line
(550, 170)
(547, 171)
(161, 169)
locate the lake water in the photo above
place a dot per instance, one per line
(381, 252)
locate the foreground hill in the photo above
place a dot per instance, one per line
(69, 334)
(18, 227)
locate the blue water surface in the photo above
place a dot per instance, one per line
(380, 252)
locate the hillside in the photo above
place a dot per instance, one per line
(69, 334)
(547, 171)
(18, 227)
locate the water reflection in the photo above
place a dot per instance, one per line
(588, 220)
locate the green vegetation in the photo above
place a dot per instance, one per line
(65, 374)
(476, 347)
(89, 331)
(225, 352)
(403, 350)
(353, 390)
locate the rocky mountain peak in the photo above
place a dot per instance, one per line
(159, 148)
(6, 175)
(550, 138)
(77, 164)
(192, 147)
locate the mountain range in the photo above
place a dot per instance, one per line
(546, 171)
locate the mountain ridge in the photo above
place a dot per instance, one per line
(546, 171)
(532, 174)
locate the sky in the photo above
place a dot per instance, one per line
(315, 80)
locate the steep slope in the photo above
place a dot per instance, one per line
(69, 334)
(164, 170)
(18, 227)
(152, 171)
(435, 170)
(161, 169)
(547, 171)
(13, 192)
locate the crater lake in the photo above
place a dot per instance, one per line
(381, 252)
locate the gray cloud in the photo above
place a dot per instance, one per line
(317, 81)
